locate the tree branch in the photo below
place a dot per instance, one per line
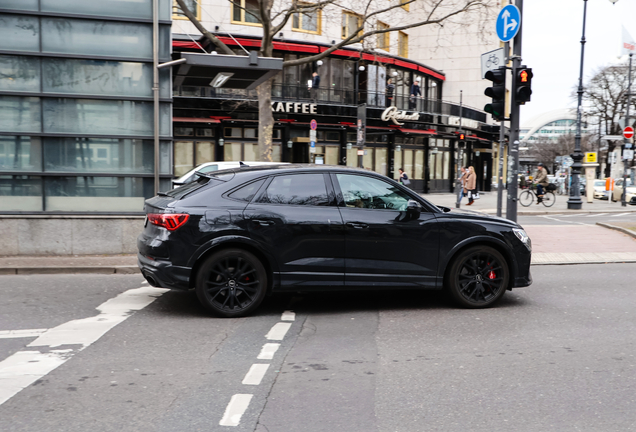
(193, 19)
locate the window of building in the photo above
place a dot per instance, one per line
(350, 24)
(299, 189)
(383, 38)
(192, 5)
(245, 12)
(405, 4)
(403, 44)
(308, 22)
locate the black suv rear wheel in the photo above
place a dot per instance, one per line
(231, 283)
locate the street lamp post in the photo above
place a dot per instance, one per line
(628, 122)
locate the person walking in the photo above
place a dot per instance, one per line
(390, 89)
(470, 185)
(315, 84)
(404, 179)
(415, 93)
(541, 180)
(463, 172)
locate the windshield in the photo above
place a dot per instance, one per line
(599, 183)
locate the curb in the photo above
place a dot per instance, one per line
(617, 228)
(68, 270)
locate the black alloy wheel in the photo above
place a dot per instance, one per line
(231, 283)
(478, 277)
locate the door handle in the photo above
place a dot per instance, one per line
(263, 222)
(357, 225)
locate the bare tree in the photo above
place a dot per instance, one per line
(546, 151)
(606, 95)
(273, 18)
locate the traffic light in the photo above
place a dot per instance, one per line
(497, 92)
(523, 85)
(462, 139)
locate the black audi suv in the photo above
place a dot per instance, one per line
(236, 235)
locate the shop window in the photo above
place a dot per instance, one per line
(277, 153)
(352, 157)
(250, 152)
(276, 134)
(204, 152)
(383, 39)
(183, 131)
(352, 137)
(332, 136)
(381, 161)
(418, 172)
(403, 44)
(250, 133)
(408, 162)
(233, 132)
(205, 132)
(308, 22)
(331, 155)
(245, 12)
(183, 157)
(192, 5)
(350, 24)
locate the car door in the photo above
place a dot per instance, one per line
(385, 243)
(296, 218)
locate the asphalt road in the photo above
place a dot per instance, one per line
(558, 355)
(574, 218)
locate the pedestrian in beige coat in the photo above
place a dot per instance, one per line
(470, 185)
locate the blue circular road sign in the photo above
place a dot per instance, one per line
(508, 23)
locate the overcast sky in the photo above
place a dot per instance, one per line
(552, 46)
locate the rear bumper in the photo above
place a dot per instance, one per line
(163, 274)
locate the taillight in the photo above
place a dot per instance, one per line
(169, 221)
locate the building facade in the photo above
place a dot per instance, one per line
(76, 105)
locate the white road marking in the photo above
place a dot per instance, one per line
(620, 214)
(255, 375)
(596, 214)
(278, 331)
(235, 409)
(27, 333)
(268, 351)
(25, 367)
(288, 316)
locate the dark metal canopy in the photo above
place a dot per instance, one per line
(224, 71)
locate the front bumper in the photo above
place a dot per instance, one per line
(162, 274)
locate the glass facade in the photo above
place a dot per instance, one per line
(76, 112)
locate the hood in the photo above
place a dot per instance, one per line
(474, 215)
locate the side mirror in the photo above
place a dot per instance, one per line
(414, 208)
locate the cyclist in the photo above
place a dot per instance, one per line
(541, 180)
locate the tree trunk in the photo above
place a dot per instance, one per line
(265, 120)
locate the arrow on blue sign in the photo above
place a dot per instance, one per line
(508, 23)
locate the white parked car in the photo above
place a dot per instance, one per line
(209, 167)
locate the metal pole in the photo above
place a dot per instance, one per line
(502, 137)
(460, 190)
(513, 148)
(574, 201)
(155, 85)
(627, 123)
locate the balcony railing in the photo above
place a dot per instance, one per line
(338, 96)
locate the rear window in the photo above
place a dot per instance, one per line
(211, 179)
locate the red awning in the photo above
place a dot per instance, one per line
(193, 120)
(418, 131)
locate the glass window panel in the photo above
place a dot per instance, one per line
(438, 166)
(20, 193)
(89, 194)
(251, 11)
(108, 117)
(19, 33)
(31, 5)
(234, 132)
(183, 157)
(367, 159)
(370, 193)
(431, 166)
(250, 151)
(206, 132)
(296, 21)
(299, 189)
(19, 73)
(236, 11)
(97, 77)
(277, 153)
(232, 151)
(352, 157)
(205, 152)
(408, 162)
(96, 38)
(20, 114)
(106, 155)
(397, 163)
(20, 153)
(246, 193)
(331, 155)
(250, 133)
(184, 131)
(446, 166)
(332, 136)
(111, 8)
(381, 162)
(418, 173)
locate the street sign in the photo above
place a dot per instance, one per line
(492, 60)
(312, 135)
(590, 157)
(312, 147)
(628, 132)
(313, 124)
(628, 154)
(508, 23)
(567, 161)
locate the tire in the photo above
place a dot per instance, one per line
(526, 198)
(478, 277)
(231, 283)
(548, 199)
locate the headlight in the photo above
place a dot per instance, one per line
(521, 235)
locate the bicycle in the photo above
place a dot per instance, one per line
(526, 197)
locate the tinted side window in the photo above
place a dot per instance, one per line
(297, 189)
(370, 193)
(246, 193)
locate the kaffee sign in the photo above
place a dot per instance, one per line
(393, 114)
(294, 107)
